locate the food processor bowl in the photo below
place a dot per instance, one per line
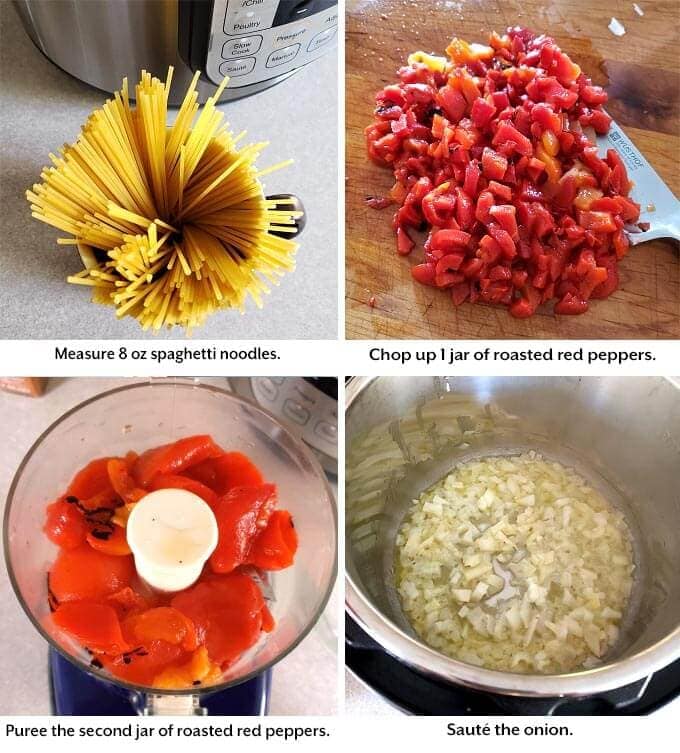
(137, 417)
(621, 433)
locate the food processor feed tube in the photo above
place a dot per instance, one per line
(171, 532)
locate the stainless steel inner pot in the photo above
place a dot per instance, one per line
(621, 433)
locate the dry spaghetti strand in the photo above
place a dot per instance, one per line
(171, 222)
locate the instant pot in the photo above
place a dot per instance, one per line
(257, 43)
(621, 433)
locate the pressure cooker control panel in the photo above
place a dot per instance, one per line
(257, 40)
(304, 407)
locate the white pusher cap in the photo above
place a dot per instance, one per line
(171, 532)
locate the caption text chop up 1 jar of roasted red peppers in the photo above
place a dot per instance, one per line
(490, 156)
(150, 637)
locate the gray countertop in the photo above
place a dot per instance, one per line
(42, 108)
(360, 700)
(23, 652)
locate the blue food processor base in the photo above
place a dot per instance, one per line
(78, 693)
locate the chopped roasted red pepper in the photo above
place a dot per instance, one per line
(490, 156)
(571, 304)
(494, 165)
(424, 273)
(482, 112)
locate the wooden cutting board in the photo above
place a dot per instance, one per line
(641, 72)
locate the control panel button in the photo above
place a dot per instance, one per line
(321, 39)
(237, 48)
(236, 68)
(286, 38)
(244, 23)
(266, 388)
(282, 56)
(244, 16)
(296, 412)
(326, 431)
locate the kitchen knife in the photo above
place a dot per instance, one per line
(658, 206)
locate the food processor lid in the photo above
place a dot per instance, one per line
(414, 692)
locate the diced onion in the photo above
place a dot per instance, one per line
(515, 563)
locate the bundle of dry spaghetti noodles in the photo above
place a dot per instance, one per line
(171, 221)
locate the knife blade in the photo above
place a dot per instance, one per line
(658, 205)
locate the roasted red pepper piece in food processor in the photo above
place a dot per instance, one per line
(242, 514)
(227, 612)
(226, 472)
(188, 484)
(236, 469)
(94, 625)
(122, 480)
(127, 601)
(91, 481)
(85, 574)
(65, 525)
(275, 547)
(174, 458)
(109, 539)
(161, 624)
(196, 671)
(268, 622)
(141, 664)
